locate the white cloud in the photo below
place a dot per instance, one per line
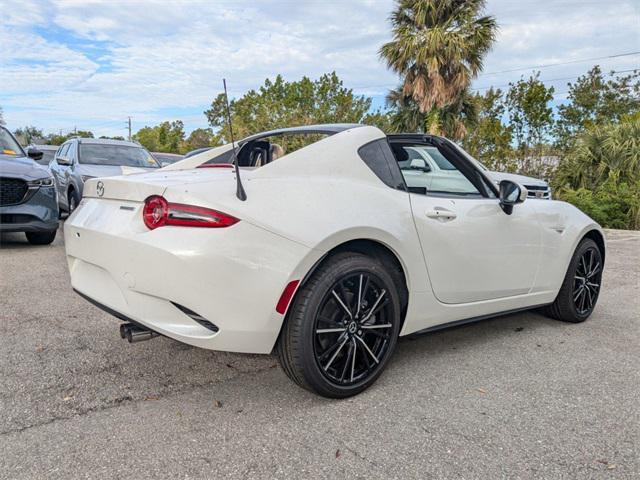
(92, 63)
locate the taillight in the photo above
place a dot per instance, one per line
(215, 165)
(157, 212)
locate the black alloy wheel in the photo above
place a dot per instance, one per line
(581, 287)
(353, 328)
(342, 326)
(587, 278)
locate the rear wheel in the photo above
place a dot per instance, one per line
(41, 238)
(342, 327)
(581, 287)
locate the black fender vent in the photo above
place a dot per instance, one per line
(194, 316)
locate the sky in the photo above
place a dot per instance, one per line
(91, 64)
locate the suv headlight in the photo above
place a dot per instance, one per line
(86, 177)
(43, 182)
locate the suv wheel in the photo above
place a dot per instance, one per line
(41, 238)
(73, 200)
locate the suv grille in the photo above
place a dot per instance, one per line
(535, 191)
(12, 191)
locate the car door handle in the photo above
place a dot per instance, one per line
(441, 214)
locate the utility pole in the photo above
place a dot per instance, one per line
(129, 128)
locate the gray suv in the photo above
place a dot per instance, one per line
(80, 159)
(28, 200)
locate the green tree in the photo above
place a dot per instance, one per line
(279, 103)
(56, 139)
(490, 139)
(199, 138)
(451, 120)
(405, 115)
(438, 47)
(117, 137)
(166, 137)
(28, 134)
(53, 139)
(148, 138)
(380, 119)
(594, 100)
(531, 121)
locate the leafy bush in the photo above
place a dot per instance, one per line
(611, 205)
(601, 173)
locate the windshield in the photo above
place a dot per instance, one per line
(424, 152)
(116, 155)
(8, 144)
(437, 157)
(47, 156)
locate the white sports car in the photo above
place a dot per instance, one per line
(336, 250)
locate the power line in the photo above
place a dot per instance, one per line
(561, 63)
(527, 68)
(556, 79)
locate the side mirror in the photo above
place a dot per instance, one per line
(511, 193)
(164, 164)
(419, 164)
(35, 154)
(63, 161)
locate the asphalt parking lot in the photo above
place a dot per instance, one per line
(519, 396)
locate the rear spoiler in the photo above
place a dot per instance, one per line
(197, 160)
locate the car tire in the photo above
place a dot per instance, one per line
(41, 238)
(580, 289)
(73, 200)
(349, 359)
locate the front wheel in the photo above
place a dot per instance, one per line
(41, 238)
(581, 286)
(73, 200)
(342, 327)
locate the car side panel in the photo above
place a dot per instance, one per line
(563, 226)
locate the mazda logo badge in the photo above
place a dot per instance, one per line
(100, 189)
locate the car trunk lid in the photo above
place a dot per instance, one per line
(138, 187)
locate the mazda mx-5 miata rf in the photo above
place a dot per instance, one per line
(330, 245)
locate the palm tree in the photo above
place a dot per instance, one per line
(438, 47)
(451, 120)
(609, 152)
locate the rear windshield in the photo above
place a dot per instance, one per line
(117, 155)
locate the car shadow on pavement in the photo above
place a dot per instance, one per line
(431, 354)
(18, 240)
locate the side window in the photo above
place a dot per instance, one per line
(71, 153)
(378, 157)
(427, 171)
(64, 149)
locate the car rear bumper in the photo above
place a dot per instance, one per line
(231, 277)
(38, 214)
